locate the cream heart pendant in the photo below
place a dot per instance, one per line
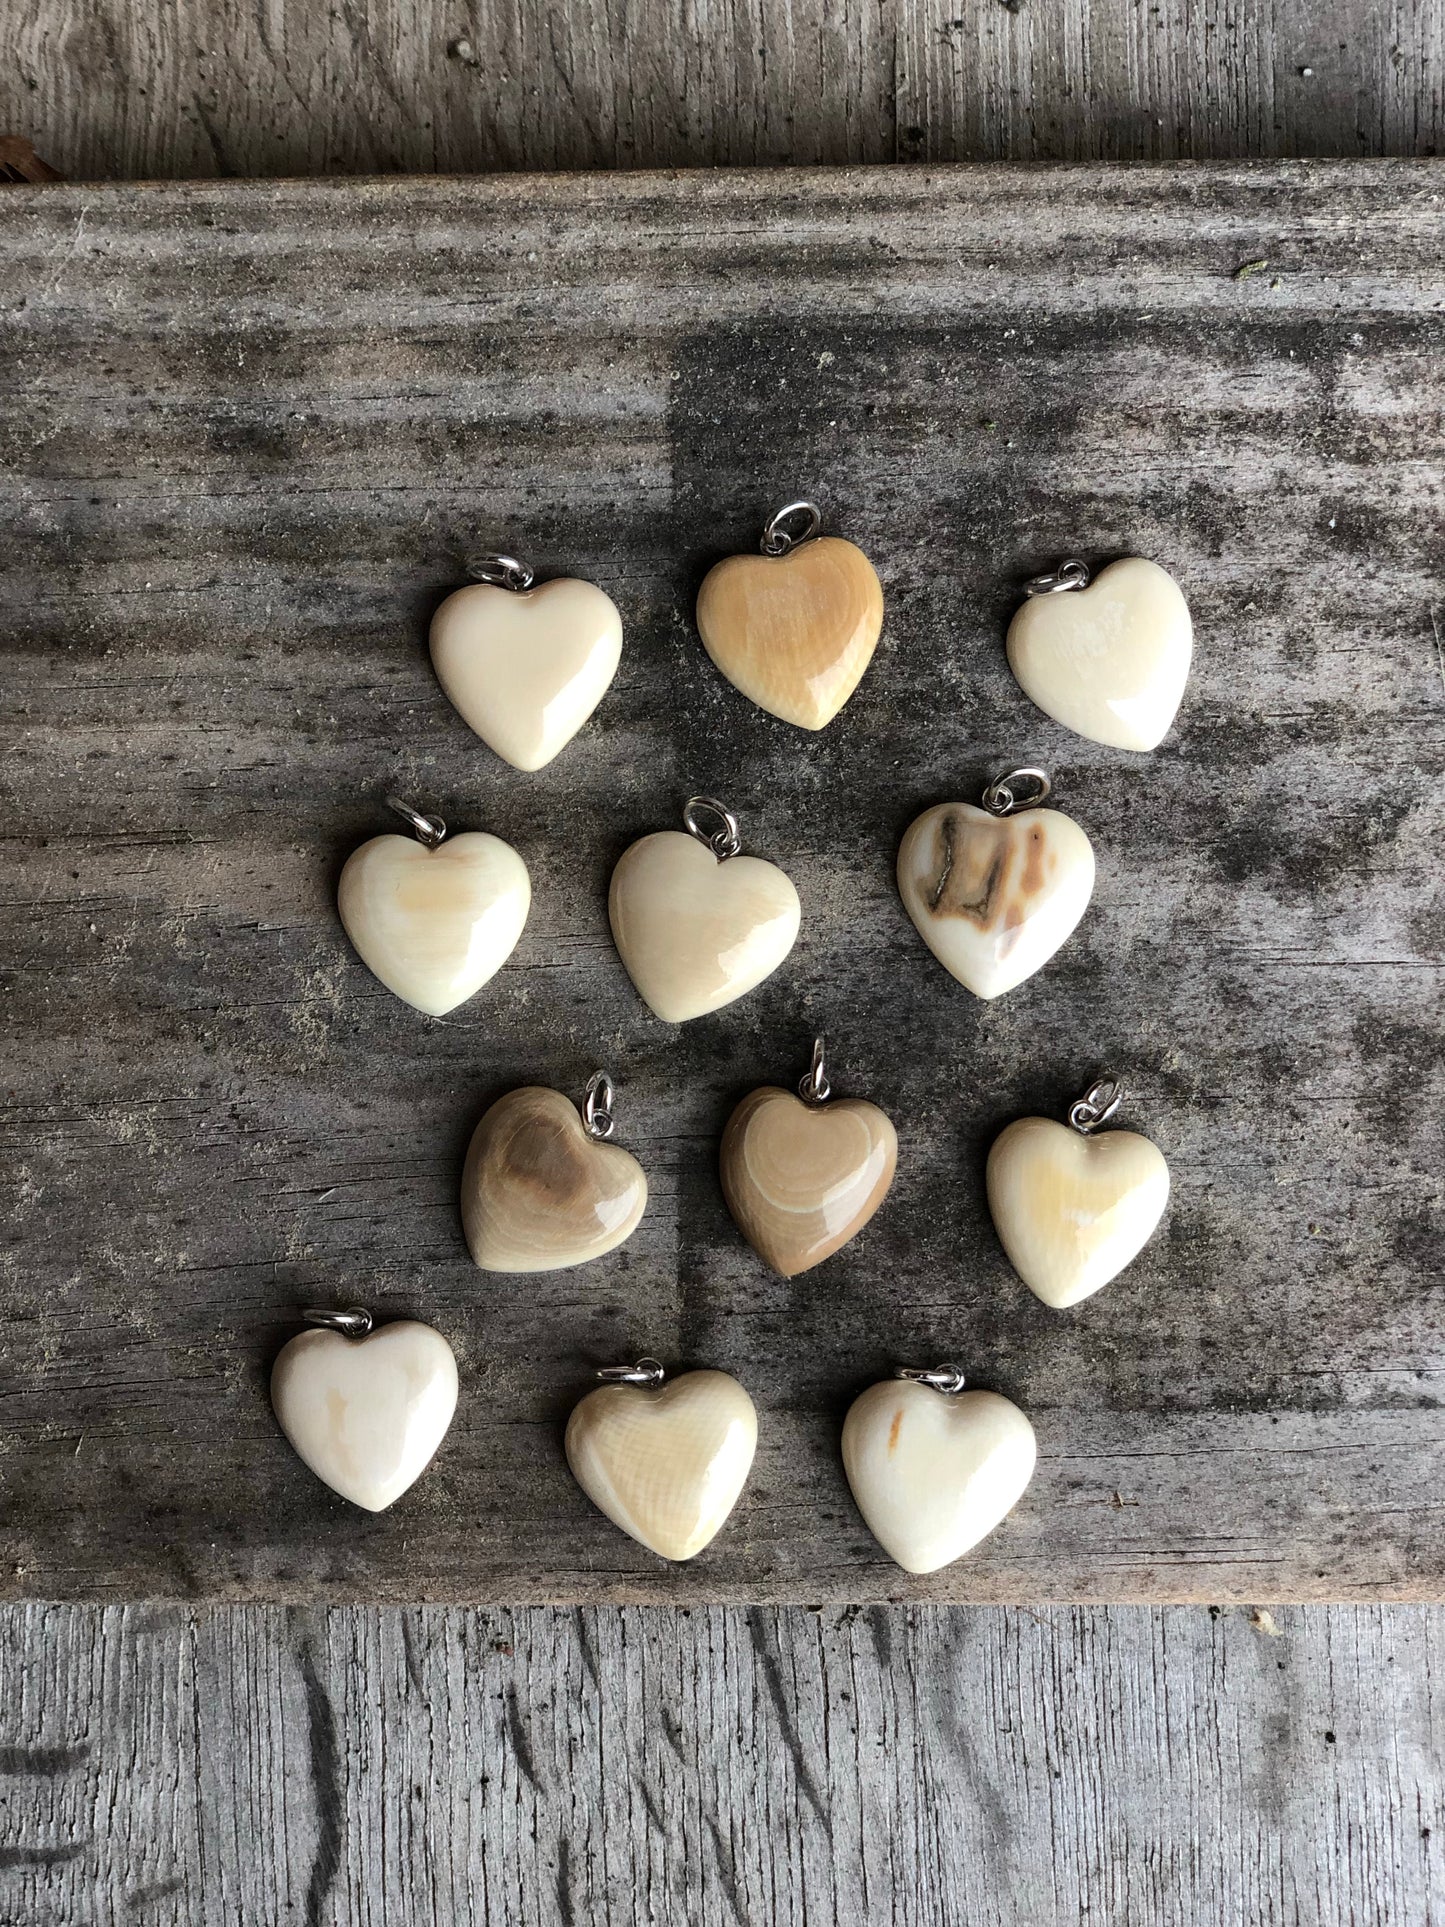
(541, 1188)
(366, 1410)
(1107, 659)
(1071, 1209)
(525, 667)
(803, 1175)
(695, 924)
(665, 1462)
(437, 917)
(934, 1468)
(992, 893)
(795, 627)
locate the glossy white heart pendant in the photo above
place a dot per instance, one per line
(664, 1461)
(934, 1468)
(524, 666)
(1107, 659)
(366, 1410)
(436, 917)
(1071, 1209)
(542, 1189)
(994, 894)
(695, 924)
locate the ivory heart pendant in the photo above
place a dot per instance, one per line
(794, 628)
(666, 1463)
(1072, 1211)
(993, 896)
(539, 1193)
(1110, 659)
(932, 1472)
(366, 1414)
(526, 668)
(802, 1179)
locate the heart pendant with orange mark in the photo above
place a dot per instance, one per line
(795, 627)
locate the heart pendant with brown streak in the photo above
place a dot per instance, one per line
(993, 895)
(795, 627)
(665, 1462)
(803, 1175)
(541, 1190)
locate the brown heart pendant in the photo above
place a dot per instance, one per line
(795, 627)
(803, 1175)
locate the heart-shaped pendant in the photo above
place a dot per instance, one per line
(994, 894)
(795, 627)
(541, 1190)
(525, 667)
(665, 1462)
(437, 917)
(1110, 659)
(802, 1175)
(1071, 1209)
(934, 1468)
(366, 1410)
(695, 924)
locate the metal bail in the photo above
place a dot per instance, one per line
(501, 571)
(355, 1321)
(1097, 1105)
(777, 540)
(1073, 574)
(725, 841)
(597, 1105)
(1002, 797)
(647, 1371)
(943, 1378)
(427, 829)
(813, 1086)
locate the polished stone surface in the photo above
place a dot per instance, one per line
(800, 1179)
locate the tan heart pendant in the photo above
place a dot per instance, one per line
(525, 667)
(1072, 1210)
(803, 1175)
(437, 917)
(665, 1462)
(541, 1188)
(795, 627)
(994, 894)
(934, 1468)
(365, 1412)
(1110, 659)
(695, 924)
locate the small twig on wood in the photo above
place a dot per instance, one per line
(19, 163)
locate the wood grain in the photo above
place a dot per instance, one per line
(251, 431)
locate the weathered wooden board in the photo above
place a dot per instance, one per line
(250, 433)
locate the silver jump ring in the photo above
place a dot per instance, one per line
(355, 1321)
(1073, 574)
(501, 571)
(427, 829)
(1002, 795)
(647, 1371)
(777, 539)
(943, 1378)
(1097, 1105)
(597, 1105)
(813, 1086)
(723, 842)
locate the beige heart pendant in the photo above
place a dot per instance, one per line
(803, 1175)
(994, 894)
(1110, 659)
(437, 917)
(1071, 1209)
(366, 1410)
(541, 1188)
(525, 667)
(695, 924)
(934, 1468)
(795, 627)
(665, 1462)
